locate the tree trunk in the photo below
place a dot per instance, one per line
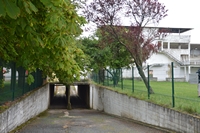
(101, 75)
(141, 72)
(115, 76)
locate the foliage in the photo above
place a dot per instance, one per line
(42, 34)
(138, 40)
(30, 79)
(105, 56)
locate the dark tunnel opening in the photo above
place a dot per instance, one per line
(79, 96)
(58, 98)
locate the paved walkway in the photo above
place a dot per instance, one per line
(83, 121)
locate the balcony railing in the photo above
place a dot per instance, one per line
(175, 55)
(195, 62)
(177, 38)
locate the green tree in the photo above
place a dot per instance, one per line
(42, 34)
(106, 56)
(110, 15)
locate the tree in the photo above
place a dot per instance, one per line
(138, 40)
(42, 34)
(105, 56)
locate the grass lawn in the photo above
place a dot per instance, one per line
(186, 95)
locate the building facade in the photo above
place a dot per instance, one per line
(176, 48)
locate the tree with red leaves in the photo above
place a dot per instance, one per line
(112, 16)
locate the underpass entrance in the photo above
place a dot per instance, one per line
(58, 99)
(71, 97)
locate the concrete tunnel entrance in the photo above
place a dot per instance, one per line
(73, 96)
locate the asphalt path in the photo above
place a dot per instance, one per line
(84, 121)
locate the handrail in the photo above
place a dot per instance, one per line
(171, 56)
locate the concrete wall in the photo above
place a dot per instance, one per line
(160, 67)
(104, 100)
(164, 70)
(193, 78)
(25, 109)
(121, 105)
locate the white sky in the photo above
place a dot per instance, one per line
(183, 14)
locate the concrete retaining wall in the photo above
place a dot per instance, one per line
(25, 109)
(121, 105)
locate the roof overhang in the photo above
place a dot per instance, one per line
(163, 29)
(174, 30)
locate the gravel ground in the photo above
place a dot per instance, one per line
(83, 121)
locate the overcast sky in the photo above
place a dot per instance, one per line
(183, 14)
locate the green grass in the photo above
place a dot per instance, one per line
(186, 95)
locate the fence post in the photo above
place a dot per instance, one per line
(107, 78)
(148, 82)
(1, 74)
(132, 79)
(13, 80)
(23, 84)
(122, 85)
(173, 99)
(99, 76)
(103, 73)
(21, 78)
(114, 78)
(96, 77)
(36, 78)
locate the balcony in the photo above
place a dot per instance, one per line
(197, 62)
(177, 38)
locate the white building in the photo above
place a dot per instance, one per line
(176, 48)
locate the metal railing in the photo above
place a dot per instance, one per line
(175, 93)
(13, 82)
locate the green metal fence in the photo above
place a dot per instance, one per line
(13, 83)
(171, 92)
